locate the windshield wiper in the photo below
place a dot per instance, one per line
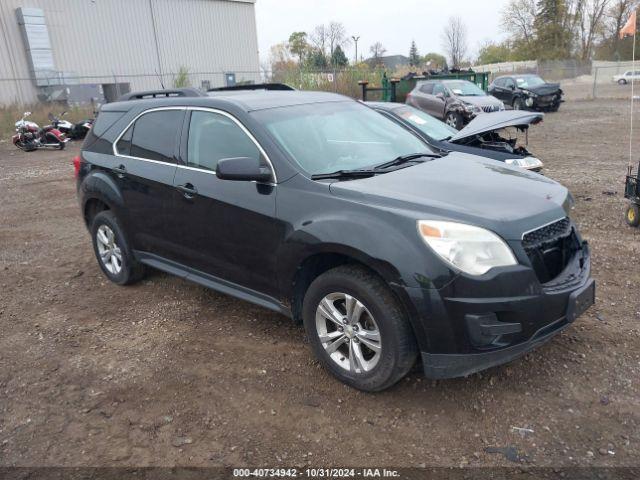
(402, 159)
(345, 174)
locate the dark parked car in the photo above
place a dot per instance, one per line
(456, 102)
(483, 136)
(318, 207)
(524, 92)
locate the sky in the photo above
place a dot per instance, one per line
(394, 23)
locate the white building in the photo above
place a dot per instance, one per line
(83, 49)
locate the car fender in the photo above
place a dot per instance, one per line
(311, 240)
(99, 185)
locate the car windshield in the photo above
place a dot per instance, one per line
(529, 81)
(463, 88)
(329, 137)
(427, 124)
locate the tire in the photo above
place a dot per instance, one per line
(455, 120)
(109, 241)
(632, 215)
(622, 81)
(380, 312)
(61, 146)
(518, 104)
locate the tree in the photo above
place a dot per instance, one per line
(318, 60)
(591, 14)
(491, 52)
(612, 47)
(454, 41)
(182, 78)
(377, 50)
(435, 61)
(298, 45)
(336, 36)
(518, 19)
(414, 56)
(339, 59)
(553, 30)
(319, 38)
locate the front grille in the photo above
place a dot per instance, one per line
(551, 248)
(490, 108)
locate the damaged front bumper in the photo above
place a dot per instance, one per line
(473, 324)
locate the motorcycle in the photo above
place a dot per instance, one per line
(73, 131)
(29, 136)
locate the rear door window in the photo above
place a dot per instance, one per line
(155, 135)
(438, 88)
(427, 88)
(212, 137)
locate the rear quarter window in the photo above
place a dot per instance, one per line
(104, 121)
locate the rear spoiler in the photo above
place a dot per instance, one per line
(253, 86)
(176, 92)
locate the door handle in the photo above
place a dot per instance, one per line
(120, 170)
(188, 190)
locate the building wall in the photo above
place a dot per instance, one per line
(103, 41)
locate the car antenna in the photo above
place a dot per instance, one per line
(160, 79)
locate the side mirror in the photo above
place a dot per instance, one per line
(26, 114)
(440, 95)
(242, 169)
(512, 87)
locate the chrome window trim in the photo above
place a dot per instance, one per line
(186, 167)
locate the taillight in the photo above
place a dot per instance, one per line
(76, 165)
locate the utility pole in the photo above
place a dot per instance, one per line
(355, 40)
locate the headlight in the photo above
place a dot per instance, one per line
(470, 249)
(529, 163)
(471, 108)
(501, 107)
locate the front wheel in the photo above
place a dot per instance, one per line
(632, 215)
(518, 104)
(622, 81)
(455, 120)
(357, 329)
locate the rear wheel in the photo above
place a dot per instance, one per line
(633, 215)
(622, 81)
(455, 120)
(112, 250)
(357, 329)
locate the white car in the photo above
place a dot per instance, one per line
(626, 77)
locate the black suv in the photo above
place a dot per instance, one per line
(318, 207)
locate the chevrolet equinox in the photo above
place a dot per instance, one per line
(318, 207)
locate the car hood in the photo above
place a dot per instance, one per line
(497, 121)
(544, 89)
(487, 100)
(464, 188)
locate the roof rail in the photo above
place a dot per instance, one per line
(253, 86)
(176, 92)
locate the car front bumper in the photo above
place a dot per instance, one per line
(471, 325)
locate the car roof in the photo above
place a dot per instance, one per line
(248, 101)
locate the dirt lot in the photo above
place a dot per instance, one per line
(168, 373)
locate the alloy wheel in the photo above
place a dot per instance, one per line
(348, 332)
(109, 251)
(452, 121)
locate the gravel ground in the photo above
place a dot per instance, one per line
(167, 373)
